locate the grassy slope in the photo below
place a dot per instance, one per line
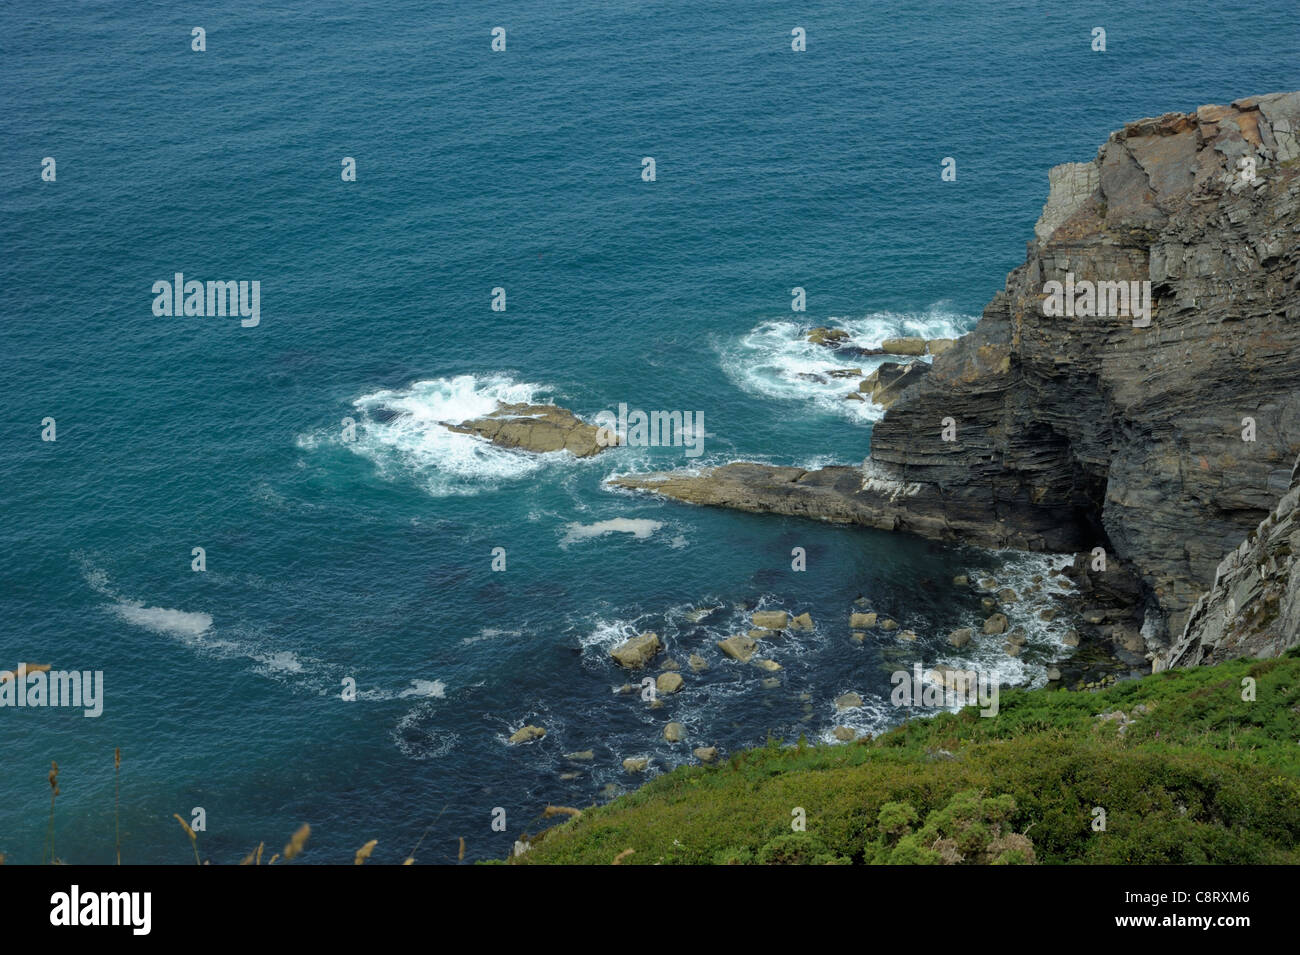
(1203, 777)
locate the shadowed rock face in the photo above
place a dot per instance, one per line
(1077, 432)
(1253, 608)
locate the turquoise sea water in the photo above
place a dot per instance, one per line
(371, 560)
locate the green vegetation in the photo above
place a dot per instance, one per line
(1196, 775)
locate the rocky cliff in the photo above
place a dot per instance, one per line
(1164, 440)
(1253, 607)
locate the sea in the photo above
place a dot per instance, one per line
(378, 602)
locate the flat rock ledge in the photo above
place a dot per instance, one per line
(870, 496)
(540, 429)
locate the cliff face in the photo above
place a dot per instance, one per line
(1253, 607)
(1139, 429)
(1079, 431)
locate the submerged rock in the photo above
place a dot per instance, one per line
(699, 613)
(636, 764)
(527, 734)
(848, 701)
(802, 622)
(862, 621)
(697, 662)
(959, 638)
(995, 624)
(827, 336)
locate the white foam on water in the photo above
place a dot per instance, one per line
(640, 528)
(874, 715)
(197, 631)
(1046, 638)
(607, 634)
(425, 688)
(401, 431)
(285, 661)
(415, 738)
(937, 321)
(490, 633)
(776, 360)
(182, 623)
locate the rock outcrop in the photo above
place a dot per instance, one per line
(1163, 441)
(537, 428)
(526, 734)
(637, 651)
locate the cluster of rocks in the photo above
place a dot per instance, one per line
(862, 620)
(766, 625)
(843, 703)
(640, 651)
(841, 341)
(997, 623)
(634, 654)
(887, 383)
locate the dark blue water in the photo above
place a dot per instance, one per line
(371, 560)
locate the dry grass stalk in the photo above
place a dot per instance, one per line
(550, 811)
(117, 802)
(254, 857)
(194, 839)
(54, 791)
(364, 852)
(295, 845)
